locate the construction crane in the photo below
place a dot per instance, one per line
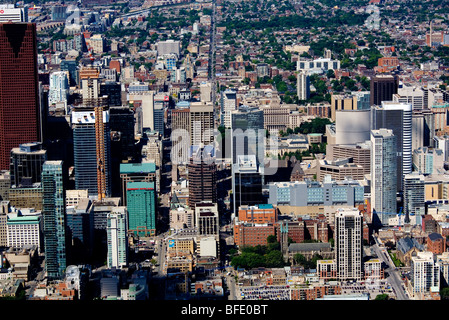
(99, 133)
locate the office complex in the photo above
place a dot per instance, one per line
(19, 115)
(248, 134)
(383, 172)
(180, 122)
(53, 212)
(201, 123)
(348, 244)
(202, 174)
(135, 172)
(141, 206)
(247, 182)
(92, 150)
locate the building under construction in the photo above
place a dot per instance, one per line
(92, 147)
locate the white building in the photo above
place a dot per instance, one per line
(319, 66)
(424, 273)
(10, 13)
(349, 244)
(59, 87)
(303, 86)
(117, 238)
(383, 172)
(228, 104)
(23, 229)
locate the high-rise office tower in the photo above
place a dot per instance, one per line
(398, 118)
(141, 205)
(121, 122)
(92, 150)
(180, 135)
(201, 123)
(26, 164)
(383, 87)
(113, 90)
(53, 212)
(228, 104)
(349, 244)
(303, 86)
(202, 173)
(135, 172)
(247, 182)
(117, 238)
(383, 173)
(19, 99)
(248, 134)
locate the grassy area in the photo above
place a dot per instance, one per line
(396, 261)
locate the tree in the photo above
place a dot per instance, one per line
(381, 297)
(444, 293)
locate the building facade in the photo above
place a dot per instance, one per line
(20, 116)
(53, 212)
(348, 244)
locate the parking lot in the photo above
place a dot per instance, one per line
(265, 293)
(374, 288)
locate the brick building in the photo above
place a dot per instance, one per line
(436, 243)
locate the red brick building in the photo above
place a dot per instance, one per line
(436, 243)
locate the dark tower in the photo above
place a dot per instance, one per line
(202, 172)
(19, 93)
(383, 87)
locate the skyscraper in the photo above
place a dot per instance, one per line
(92, 150)
(59, 87)
(349, 244)
(247, 182)
(201, 123)
(117, 238)
(53, 212)
(303, 86)
(180, 135)
(202, 173)
(19, 98)
(414, 195)
(141, 205)
(383, 87)
(398, 118)
(228, 104)
(248, 134)
(383, 172)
